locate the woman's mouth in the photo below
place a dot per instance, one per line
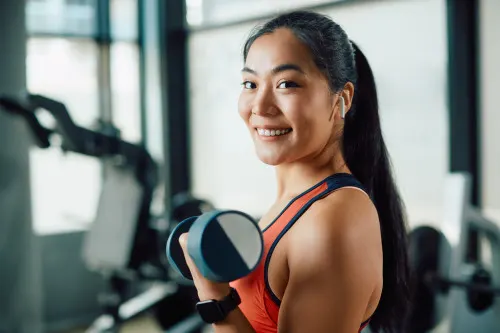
(269, 132)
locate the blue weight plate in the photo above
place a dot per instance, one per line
(174, 251)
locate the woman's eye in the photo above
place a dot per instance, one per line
(287, 84)
(248, 85)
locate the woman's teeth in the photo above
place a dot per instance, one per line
(270, 132)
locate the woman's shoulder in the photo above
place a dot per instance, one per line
(337, 223)
(346, 209)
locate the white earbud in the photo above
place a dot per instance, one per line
(342, 107)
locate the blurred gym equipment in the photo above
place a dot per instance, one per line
(124, 243)
(456, 277)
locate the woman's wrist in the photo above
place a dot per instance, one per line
(235, 322)
(215, 292)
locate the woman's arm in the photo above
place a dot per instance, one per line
(335, 263)
(334, 266)
(235, 322)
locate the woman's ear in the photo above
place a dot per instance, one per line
(343, 103)
(346, 96)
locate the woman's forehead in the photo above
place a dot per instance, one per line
(278, 48)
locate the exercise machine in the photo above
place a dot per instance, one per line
(125, 243)
(456, 270)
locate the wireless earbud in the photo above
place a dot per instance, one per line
(342, 107)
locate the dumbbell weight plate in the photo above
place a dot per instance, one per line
(175, 254)
(480, 301)
(225, 245)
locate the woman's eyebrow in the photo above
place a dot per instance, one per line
(277, 69)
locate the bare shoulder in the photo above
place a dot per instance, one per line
(344, 226)
(334, 256)
(346, 213)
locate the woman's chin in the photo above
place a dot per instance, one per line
(270, 159)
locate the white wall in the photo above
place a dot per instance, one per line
(490, 101)
(405, 42)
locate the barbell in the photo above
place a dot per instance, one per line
(429, 250)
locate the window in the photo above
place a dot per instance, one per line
(124, 19)
(125, 89)
(75, 58)
(206, 12)
(124, 55)
(490, 118)
(51, 61)
(58, 17)
(62, 200)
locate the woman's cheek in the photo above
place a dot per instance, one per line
(244, 107)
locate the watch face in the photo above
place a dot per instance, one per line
(209, 311)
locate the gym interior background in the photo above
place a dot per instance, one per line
(166, 74)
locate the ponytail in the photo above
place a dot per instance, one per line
(367, 157)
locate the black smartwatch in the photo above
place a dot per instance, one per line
(213, 311)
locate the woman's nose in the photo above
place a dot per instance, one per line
(264, 104)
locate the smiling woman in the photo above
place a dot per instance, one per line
(310, 104)
(279, 96)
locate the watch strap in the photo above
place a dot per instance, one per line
(230, 302)
(213, 311)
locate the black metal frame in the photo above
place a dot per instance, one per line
(142, 68)
(103, 40)
(176, 113)
(463, 100)
(463, 90)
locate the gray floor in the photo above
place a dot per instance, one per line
(144, 324)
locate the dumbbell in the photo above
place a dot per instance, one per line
(225, 245)
(429, 253)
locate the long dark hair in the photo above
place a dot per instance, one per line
(363, 147)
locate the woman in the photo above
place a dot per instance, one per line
(335, 239)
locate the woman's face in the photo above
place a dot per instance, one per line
(286, 101)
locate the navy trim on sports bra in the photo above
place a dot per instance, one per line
(295, 199)
(363, 324)
(334, 182)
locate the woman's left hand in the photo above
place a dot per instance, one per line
(206, 289)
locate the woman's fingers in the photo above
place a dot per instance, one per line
(206, 289)
(192, 266)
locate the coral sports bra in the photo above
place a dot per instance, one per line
(259, 304)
